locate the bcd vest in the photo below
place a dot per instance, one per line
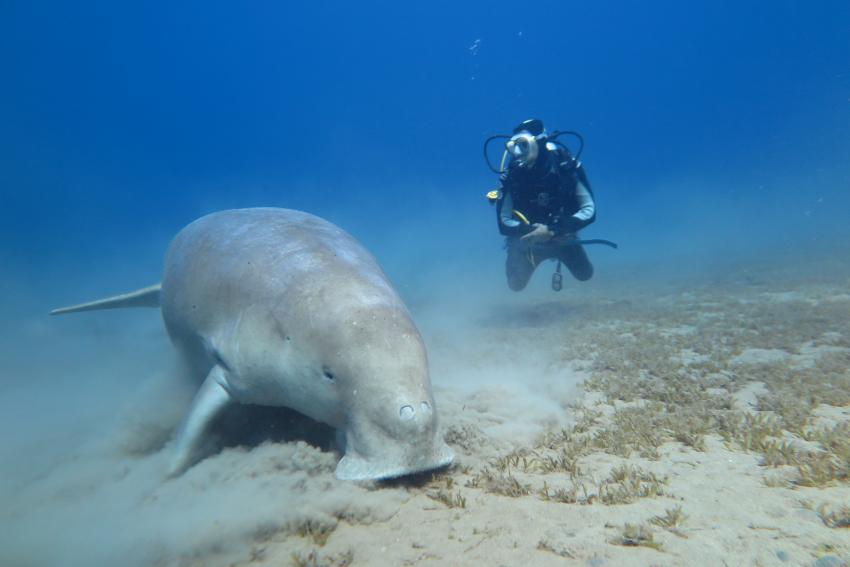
(546, 192)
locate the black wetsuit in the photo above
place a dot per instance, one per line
(554, 192)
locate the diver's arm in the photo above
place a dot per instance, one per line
(585, 215)
(509, 224)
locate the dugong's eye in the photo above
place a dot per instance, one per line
(328, 374)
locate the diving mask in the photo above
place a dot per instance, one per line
(523, 149)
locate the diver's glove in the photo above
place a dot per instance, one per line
(540, 233)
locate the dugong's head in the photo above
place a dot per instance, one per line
(391, 426)
(371, 362)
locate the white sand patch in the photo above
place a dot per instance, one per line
(785, 296)
(809, 354)
(761, 356)
(746, 399)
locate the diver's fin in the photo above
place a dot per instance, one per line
(210, 400)
(145, 297)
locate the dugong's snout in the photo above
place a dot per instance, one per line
(405, 442)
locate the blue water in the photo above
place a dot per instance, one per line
(121, 124)
(713, 129)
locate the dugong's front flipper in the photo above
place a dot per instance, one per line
(208, 403)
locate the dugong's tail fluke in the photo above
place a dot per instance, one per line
(145, 297)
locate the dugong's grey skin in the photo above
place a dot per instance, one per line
(281, 308)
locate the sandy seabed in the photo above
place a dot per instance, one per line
(689, 423)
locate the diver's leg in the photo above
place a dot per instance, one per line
(520, 264)
(576, 260)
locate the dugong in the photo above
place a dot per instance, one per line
(279, 307)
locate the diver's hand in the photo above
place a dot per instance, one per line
(541, 233)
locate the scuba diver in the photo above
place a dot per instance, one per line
(544, 200)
